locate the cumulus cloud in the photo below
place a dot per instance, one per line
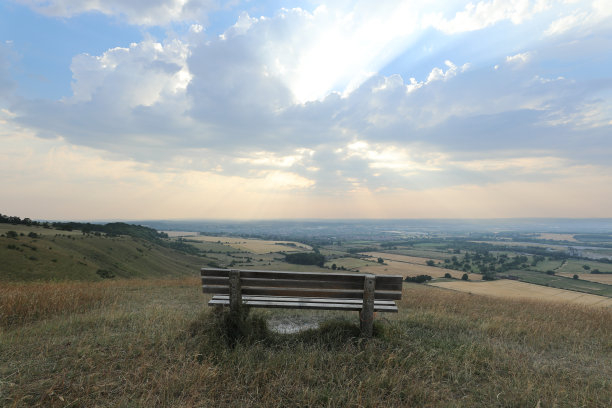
(277, 100)
(484, 14)
(582, 18)
(143, 12)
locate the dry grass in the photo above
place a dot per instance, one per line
(22, 303)
(522, 290)
(155, 346)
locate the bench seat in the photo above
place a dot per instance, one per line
(287, 302)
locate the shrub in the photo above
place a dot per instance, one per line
(430, 262)
(104, 274)
(305, 258)
(465, 277)
(418, 278)
(448, 275)
(12, 234)
(550, 272)
(575, 277)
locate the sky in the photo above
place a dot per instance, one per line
(247, 109)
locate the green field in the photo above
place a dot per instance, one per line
(562, 282)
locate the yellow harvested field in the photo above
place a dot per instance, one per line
(256, 246)
(604, 278)
(558, 237)
(398, 257)
(521, 290)
(407, 269)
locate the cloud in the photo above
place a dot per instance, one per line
(483, 14)
(582, 18)
(229, 108)
(141, 12)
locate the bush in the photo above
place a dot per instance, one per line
(550, 272)
(465, 277)
(104, 274)
(305, 258)
(430, 262)
(418, 278)
(448, 275)
(12, 234)
(575, 277)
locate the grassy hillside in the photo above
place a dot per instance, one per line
(155, 343)
(38, 253)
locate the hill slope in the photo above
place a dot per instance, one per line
(38, 253)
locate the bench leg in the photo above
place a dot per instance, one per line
(235, 291)
(366, 316)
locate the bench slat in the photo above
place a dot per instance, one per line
(305, 305)
(297, 283)
(316, 276)
(315, 292)
(305, 299)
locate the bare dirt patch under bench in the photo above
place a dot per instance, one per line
(522, 290)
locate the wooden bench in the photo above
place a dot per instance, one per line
(365, 293)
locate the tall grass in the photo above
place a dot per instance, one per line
(22, 303)
(159, 345)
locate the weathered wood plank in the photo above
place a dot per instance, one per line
(330, 293)
(317, 276)
(305, 305)
(297, 283)
(306, 299)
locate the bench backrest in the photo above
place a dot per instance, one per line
(303, 284)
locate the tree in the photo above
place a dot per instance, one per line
(334, 267)
(430, 262)
(448, 275)
(586, 267)
(380, 260)
(465, 277)
(575, 277)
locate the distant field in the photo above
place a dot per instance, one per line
(175, 234)
(558, 237)
(606, 279)
(398, 257)
(256, 246)
(562, 282)
(517, 290)
(434, 254)
(576, 266)
(351, 263)
(406, 269)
